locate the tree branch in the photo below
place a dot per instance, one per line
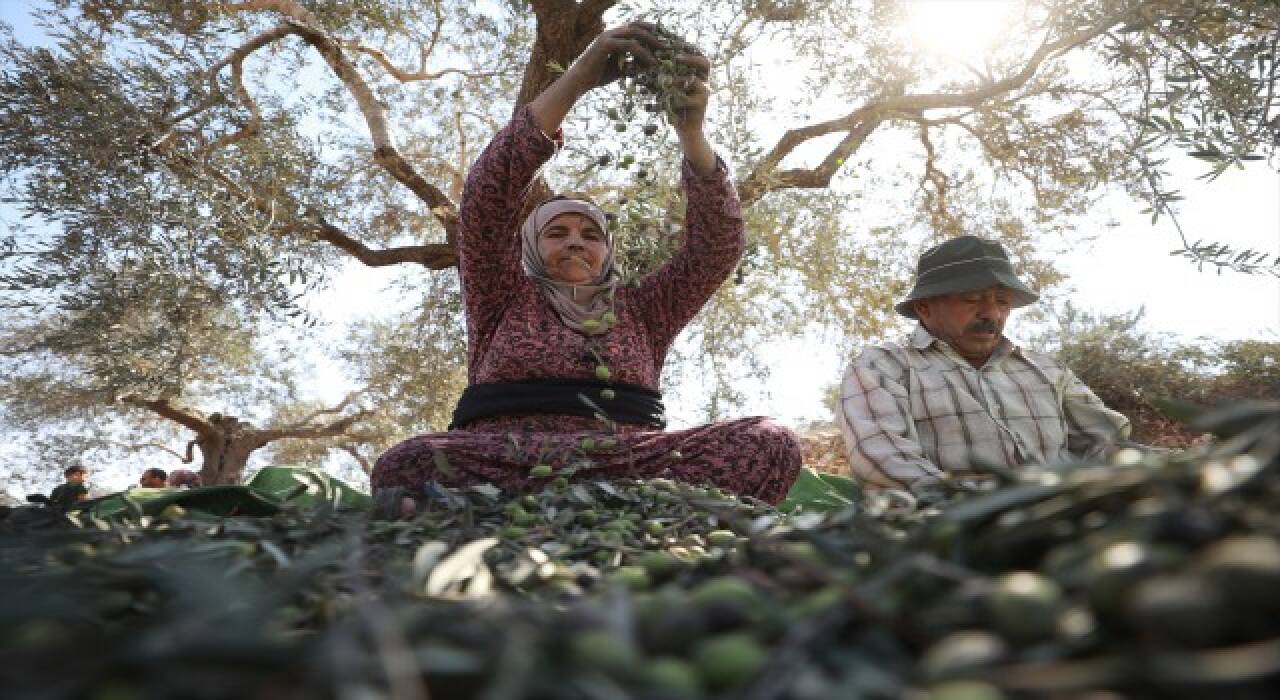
(337, 408)
(433, 256)
(862, 121)
(164, 409)
(236, 60)
(360, 459)
(385, 153)
(939, 217)
(154, 445)
(289, 8)
(337, 427)
(424, 54)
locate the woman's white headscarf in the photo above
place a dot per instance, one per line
(575, 303)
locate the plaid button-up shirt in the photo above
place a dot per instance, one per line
(912, 413)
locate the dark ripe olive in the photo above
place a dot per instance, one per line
(650, 129)
(1247, 568)
(1183, 611)
(1113, 572)
(667, 623)
(721, 538)
(964, 690)
(1024, 606)
(819, 602)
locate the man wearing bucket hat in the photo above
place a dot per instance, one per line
(958, 394)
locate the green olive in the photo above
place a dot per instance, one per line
(524, 519)
(634, 577)
(725, 589)
(541, 471)
(660, 564)
(603, 373)
(672, 678)
(602, 651)
(729, 660)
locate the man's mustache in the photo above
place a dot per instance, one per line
(984, 325)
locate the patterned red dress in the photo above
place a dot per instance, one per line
(513, 334)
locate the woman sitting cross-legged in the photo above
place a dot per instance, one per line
(549, 324)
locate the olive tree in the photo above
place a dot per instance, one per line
(297, 134)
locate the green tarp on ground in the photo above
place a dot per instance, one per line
(273, 488)
(820, 492)
(270, 489)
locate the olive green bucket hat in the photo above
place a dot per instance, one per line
(963, 264)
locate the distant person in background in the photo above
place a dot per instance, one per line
(66, 495)
(153, 478)
(184, 479)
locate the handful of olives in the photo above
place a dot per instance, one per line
(656, 85)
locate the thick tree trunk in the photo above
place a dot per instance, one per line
(565, 28)
(225, 454)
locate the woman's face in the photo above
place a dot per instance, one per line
(573, 249)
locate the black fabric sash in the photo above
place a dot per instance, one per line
(630, 404)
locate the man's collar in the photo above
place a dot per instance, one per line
(921, 338)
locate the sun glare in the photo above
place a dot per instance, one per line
(965, 30)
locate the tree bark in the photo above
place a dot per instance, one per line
(226, 443)
(224, 456)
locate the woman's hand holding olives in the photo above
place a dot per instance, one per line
(690, 111)
(603, 61)
(692, 94)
